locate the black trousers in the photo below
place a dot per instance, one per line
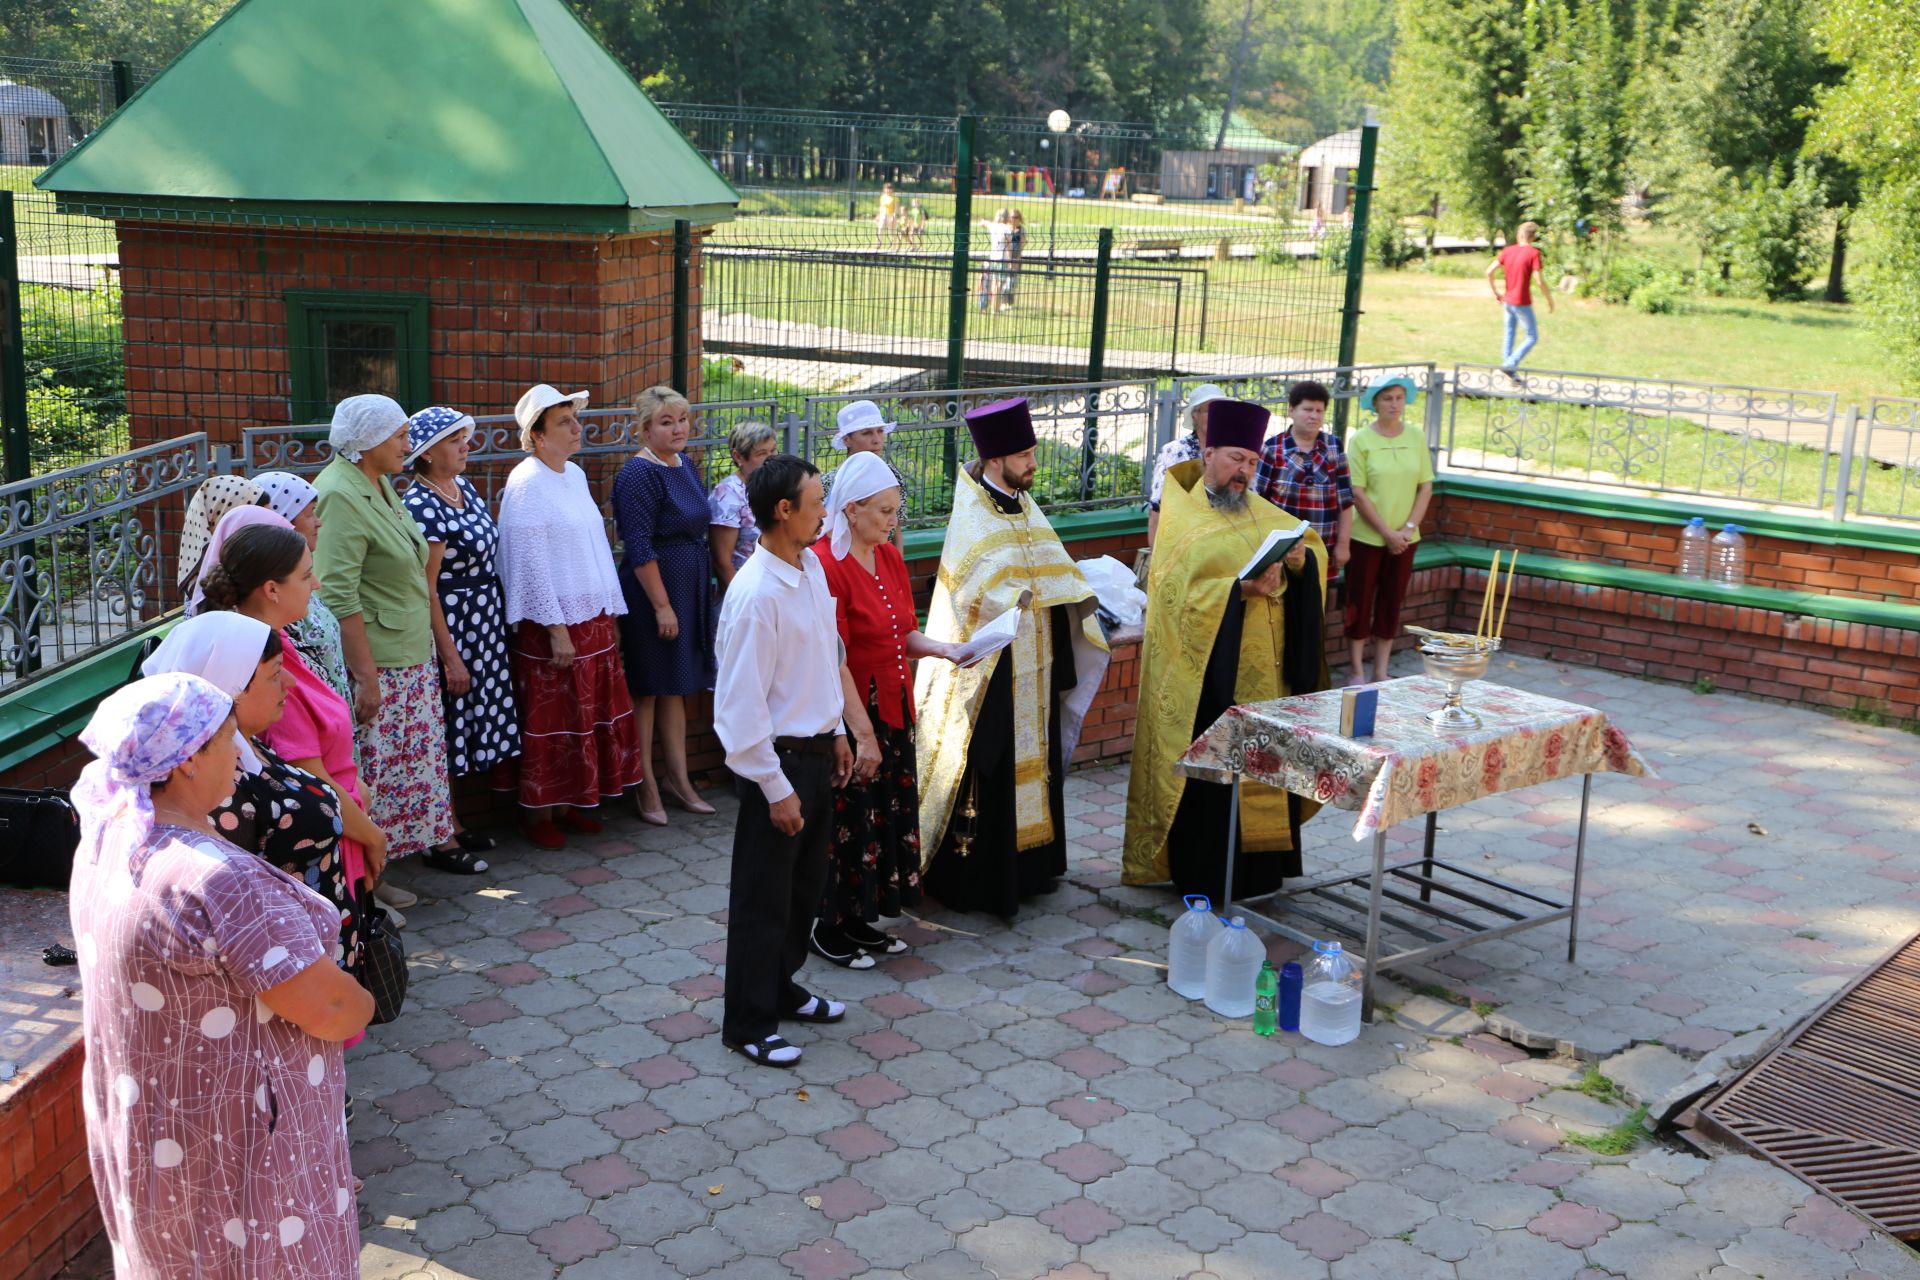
(777, 880)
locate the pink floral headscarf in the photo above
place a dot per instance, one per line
(141, 733)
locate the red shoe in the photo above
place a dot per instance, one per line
(580, 820)
(544, 835)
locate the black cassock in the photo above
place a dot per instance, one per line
(993, 875)
(1197, 841)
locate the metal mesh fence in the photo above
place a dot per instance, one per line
(47, 107)
(147, 326)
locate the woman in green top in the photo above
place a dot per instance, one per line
(1392, 475)
(372, 563)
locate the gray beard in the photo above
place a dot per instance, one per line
(1227, 499)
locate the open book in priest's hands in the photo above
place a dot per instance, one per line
(1277, 545)
(991, 637)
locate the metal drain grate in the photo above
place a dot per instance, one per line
(1838, 1101)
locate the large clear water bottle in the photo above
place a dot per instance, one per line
(1727, 566)
(1187, 947)
(1693, 549)
(1330, 1001)
(1233, 965)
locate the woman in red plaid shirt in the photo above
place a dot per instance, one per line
(1304, 471)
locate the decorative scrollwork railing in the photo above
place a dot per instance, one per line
(81, 553)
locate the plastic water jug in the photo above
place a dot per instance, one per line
(1727, 567)
(1187, 947)
(1330, 1001)
(1693, 549)
(1233, 963)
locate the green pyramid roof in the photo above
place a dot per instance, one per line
(461, 112)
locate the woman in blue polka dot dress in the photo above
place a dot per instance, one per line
(469, 611)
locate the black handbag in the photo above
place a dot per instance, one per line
(39, 832)
(383, 963)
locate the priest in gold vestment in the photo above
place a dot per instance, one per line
(1214, 641)
(994, 738)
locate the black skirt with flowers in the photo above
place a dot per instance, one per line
(873, 868)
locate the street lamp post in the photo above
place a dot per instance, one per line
(1058, 122)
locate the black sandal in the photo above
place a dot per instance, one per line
(474, 841)
(871, 940)
(456, 860)
(818, 1010)
(838, 950)
(762, 1051)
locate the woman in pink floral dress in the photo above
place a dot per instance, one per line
(213, 1013)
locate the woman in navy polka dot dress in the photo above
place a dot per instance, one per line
(469, 611)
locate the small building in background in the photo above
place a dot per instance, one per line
(1326, 174)
(440, 202)
(35, 128)
(1229, 172)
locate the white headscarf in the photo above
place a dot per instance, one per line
(223, 648)
(286, 493)
(863, 475)
(140, 733)
(361, 422)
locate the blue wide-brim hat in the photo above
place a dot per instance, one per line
(1398, 380)
(1001, 428)
(429, 427)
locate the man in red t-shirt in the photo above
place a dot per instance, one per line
(1519, 264)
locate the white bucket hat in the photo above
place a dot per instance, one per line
(1203, 394)
(539, 399)
(860, 415)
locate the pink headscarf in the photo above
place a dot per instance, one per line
(140, 733)
(236, 519)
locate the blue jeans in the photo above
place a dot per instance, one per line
(1518, 317)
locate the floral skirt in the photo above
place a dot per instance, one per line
(873, 868)
(579, 742)
(403, 762)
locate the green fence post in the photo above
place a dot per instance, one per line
(122, 82)
(1096, 359)
(1356, 260)
(13, 351)
(682, 303)
(957, 278)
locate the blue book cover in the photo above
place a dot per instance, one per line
(1358, 706)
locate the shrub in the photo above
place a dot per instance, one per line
(1772, 239)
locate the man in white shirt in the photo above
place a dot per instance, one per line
(782, 711)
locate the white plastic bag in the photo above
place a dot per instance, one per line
(1113, 585)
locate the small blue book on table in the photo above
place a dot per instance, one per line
(1358, 707)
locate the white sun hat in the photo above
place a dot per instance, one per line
(860, 415)
(540, 398)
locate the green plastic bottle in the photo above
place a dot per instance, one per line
(1266, 999)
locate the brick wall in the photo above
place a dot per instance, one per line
(50, 1209)
(207, 342)
(1789, 564)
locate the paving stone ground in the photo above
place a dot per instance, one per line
(1032, 1100)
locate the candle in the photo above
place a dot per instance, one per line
(1506, 598)
(1486, 600)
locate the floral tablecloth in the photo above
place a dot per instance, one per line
(1408, 767)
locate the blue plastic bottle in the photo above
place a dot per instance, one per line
(1290, 979)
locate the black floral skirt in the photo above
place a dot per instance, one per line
(873, 868)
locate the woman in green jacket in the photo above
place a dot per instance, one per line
(372, 564)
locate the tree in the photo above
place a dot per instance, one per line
(1870, 118)
(1575, 134)
(143, 32)
(1729, 102)
(1458, 115)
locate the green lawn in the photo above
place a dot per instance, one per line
(1448, 315)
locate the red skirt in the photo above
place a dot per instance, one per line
(580, 742)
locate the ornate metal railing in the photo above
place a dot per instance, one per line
(1888, 481)
(1760, 444)
(1094, 441)
(86, 554)
(1347, 383)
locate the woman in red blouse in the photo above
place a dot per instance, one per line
(874, 867)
